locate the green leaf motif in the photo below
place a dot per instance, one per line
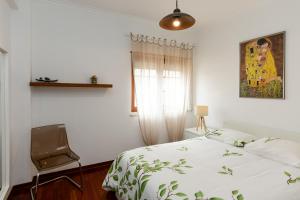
(115, 177)
(110, 169)
(240, 197)
(174, 187)
(236, 195)
(173, 182)
(168, 192)
(145, 177)
(199, 195)
(269, 139)
(161, 186)
(235, 192)
(287, 173)
(180, 194)
(239, 143)
(215, 198)
(134, 182)
(228, 153)
(183, 149)
(144, 185)
(291, 180)
(137, 174)
(226, 170)
(120, 169)
(135, 195)
(163, 192)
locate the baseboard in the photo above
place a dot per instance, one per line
(67, 172)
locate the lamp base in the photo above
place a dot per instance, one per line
(201, 124)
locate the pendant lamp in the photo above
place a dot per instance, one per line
(177, 20)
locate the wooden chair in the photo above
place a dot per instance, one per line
(49, 150)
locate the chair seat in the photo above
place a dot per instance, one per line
(55, 161)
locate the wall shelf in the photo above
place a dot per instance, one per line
(70, 85)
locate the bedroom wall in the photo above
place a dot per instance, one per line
(20, 101)
(4, 25)
(217, 82)
(71, 43)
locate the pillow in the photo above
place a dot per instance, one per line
(229, 136)
(284, 151)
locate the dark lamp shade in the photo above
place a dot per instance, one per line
(177, 21)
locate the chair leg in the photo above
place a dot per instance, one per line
(37, 183)
(33, 196)
(81, 176)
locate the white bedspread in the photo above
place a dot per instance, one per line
(199, 169)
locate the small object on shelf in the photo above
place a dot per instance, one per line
(94, 79)
(46, 79)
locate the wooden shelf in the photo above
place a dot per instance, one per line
(72, 85)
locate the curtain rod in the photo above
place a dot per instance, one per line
(131, 35)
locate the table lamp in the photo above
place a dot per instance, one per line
(201, 111)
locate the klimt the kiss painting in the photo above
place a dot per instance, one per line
(262, 67)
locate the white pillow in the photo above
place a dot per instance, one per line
(229, 136)
(284, 151)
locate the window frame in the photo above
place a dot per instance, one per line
(5, 146)
(133, 96)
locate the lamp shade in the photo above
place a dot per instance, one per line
(201, 110)
(177, 21)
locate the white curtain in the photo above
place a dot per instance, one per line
(162, 75)
(177, 80)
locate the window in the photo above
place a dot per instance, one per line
(173, 90)
(150, 85)
(133, 98)
(171, 87)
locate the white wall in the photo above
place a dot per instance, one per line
(218, 71)
(4, 25)
(72, 43)
(20, 103)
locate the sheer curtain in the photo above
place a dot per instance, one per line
(177, 80)
(162, 74)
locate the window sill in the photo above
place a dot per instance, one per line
(133, 114)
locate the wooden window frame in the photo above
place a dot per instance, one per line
(133, 97)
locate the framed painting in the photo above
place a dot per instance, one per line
(262, 65)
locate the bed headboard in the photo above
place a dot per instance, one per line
(262, 131)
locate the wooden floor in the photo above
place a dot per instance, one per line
(63, 190)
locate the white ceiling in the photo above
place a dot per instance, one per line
(205, 11)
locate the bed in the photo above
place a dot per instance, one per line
(200, 169)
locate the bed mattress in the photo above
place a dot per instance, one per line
(200, 169)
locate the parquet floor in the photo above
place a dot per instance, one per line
(63, 190)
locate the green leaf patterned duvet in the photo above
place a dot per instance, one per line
(200, 169)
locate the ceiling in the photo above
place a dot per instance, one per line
(205, 11)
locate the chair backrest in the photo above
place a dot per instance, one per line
(47, 141)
